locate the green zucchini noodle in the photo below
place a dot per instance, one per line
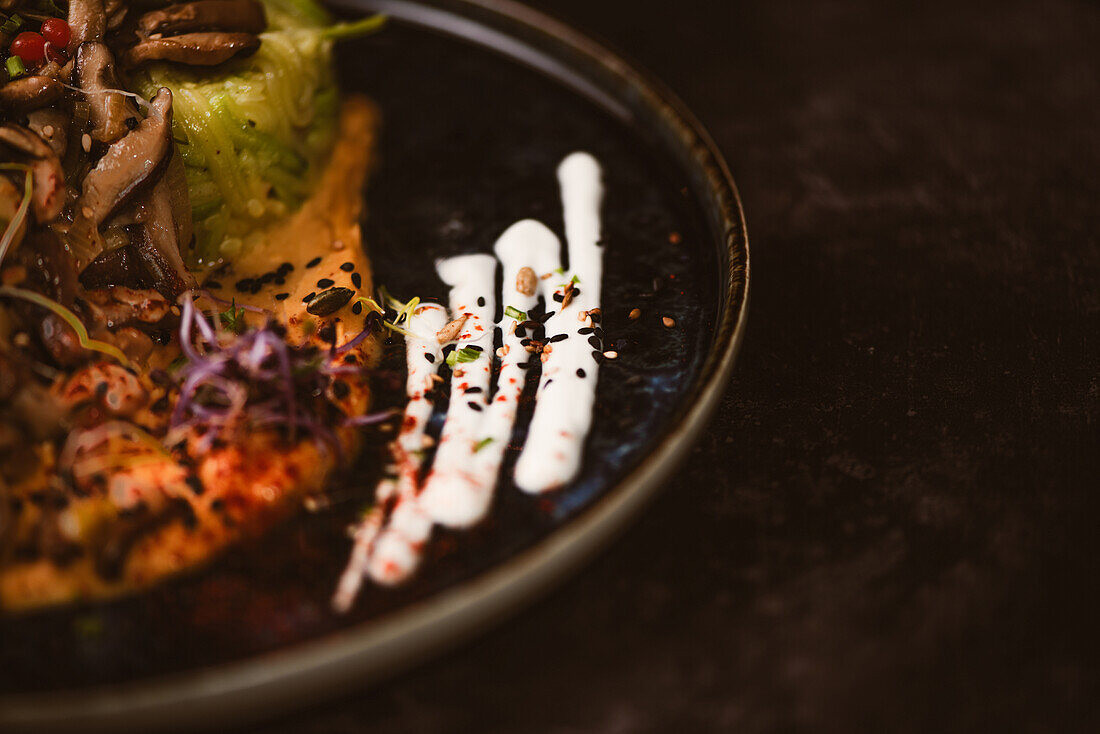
(254, 133)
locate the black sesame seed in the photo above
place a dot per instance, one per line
(430, 357)
(256, 287)
(598, 332)
(481, 301)
(474, 347)
(558, 338)
(521, 332)
(268, 277)
(326, 283)
(585, 331)
(357, 280)
(559, 297)
(195, 484)
(474, 406)
(524, 342)
(523, 365)
(285, 268)
(594, 342)
(310, 297)
(357, 308)
(280, 280)
(548, 383)
(243, 285)
(212, 284)
(598, 357)
(347, 267)
(581, 373)
(473, 390)
(313, 263)
(281, 296)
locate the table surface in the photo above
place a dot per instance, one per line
(891, 524)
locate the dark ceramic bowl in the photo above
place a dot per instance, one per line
(481, 99)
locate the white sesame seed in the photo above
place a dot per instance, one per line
(86, 142)
(611, 354)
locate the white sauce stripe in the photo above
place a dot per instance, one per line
(407, 448)
(453, 495)
(458, 491)
(555, 439)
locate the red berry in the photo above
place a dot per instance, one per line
(54, 55)
(29, 46)
(57, 32)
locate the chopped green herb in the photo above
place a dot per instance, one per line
(462, 356)
(515, 313)
(15, 67)
(482, 444)
(233, 318)
(11, 25)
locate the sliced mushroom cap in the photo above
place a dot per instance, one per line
(116, 266)
(157, 246)
(52, 124)
(110, 110)
(246, 16)
(20, 96)
(49, 179)
(194, 49)
(87, 21)
(116, 13)
(128, 164)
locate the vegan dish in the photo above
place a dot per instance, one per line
(188, 318)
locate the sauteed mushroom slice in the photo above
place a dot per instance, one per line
(87, 22)
(130, 162)
(20, 96)
(156, 242)
(194, 49)
(116, 13)
(116, 266)
(49, 179)
(110, 110)
(246, 16)
(52, 125)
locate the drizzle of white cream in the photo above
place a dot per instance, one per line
(407, 450)
(459, 488)
(555, 439)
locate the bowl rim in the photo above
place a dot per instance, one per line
(263, 685)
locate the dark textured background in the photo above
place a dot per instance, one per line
(891, 524)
